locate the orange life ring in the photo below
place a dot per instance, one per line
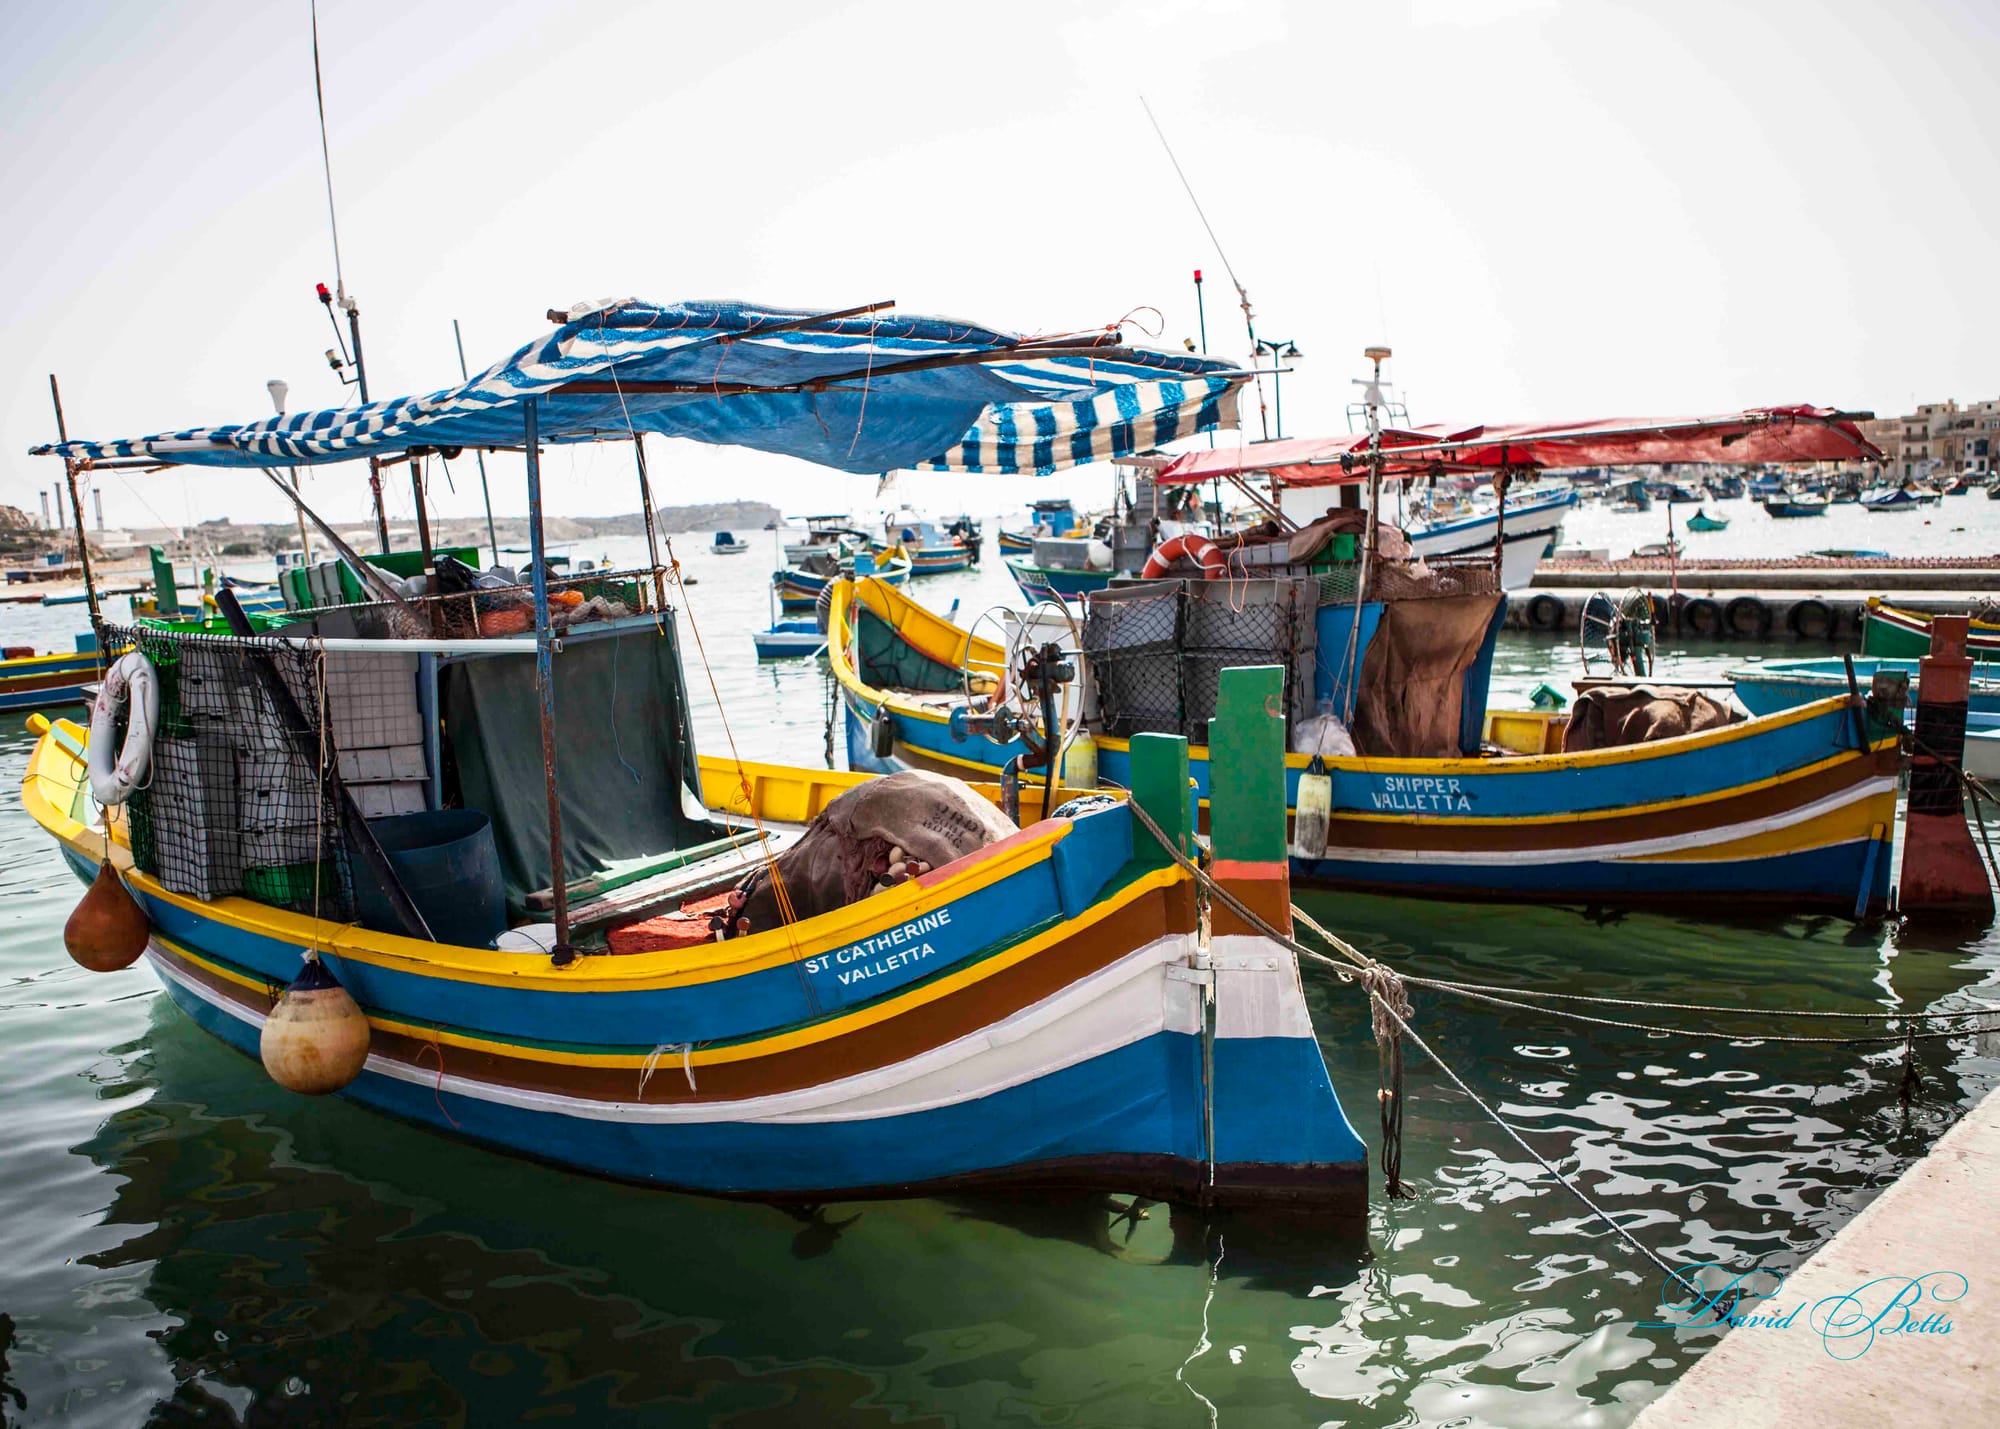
(1196, 548)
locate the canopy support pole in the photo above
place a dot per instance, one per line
(1285, 523)
(305, 537)
(423, 516)
(652, 535)
(381, 516)
(76, 510)
(479, 456)
(562, 954)
(1501, 481)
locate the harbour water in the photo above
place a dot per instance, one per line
(187, 1243)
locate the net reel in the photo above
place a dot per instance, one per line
(1615, 634)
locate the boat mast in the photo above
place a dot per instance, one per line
(70, 469)
(485, 494)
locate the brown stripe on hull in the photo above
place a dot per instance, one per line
(24, 684)
(1269, 898)
(945, 1019)
(1418, 835)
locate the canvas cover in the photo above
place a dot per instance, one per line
(1610, 716)
(856, 391)
(623, 755)
(1411, 690)
(1749, 437)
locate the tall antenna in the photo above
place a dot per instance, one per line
(326, 159)
(1242, 293)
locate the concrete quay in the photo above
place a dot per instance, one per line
(1938, 1217)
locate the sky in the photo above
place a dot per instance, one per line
(1548, 210)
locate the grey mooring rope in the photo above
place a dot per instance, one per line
(1390, 1009)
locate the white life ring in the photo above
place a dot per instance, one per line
(130, 677)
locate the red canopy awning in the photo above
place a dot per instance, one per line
(1761, 434)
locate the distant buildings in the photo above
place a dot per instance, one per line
(1938, 441)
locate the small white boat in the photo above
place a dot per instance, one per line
(726, 544)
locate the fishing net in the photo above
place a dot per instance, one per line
(243, 795)
(1157, 650)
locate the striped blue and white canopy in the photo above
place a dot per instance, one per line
(861, 391)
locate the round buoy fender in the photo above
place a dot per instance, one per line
(107, 930)
(1545, 612)
(1196, 548)
(131, 678)
(1702, 616)
(1747, 618)
(1810, 620)
(315, 1040)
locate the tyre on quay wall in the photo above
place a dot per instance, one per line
(1702, 616)
(1545, 612)
(1811, 620)
(1747, 618)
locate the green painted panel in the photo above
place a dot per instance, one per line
(1246, 765)
(1160, 787)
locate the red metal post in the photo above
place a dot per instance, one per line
(1941, 869)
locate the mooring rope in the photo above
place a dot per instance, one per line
(1390, 1008)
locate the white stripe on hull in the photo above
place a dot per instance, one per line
(1114, 1007)
(1635, 848)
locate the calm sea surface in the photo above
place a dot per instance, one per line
(184, 1243)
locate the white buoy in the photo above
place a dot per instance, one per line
(1314, 811)
(316, 1039)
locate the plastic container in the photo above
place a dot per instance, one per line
(450, 867)
(1314, 811)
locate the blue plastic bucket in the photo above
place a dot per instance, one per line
(450, 867)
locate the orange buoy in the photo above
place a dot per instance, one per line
(108, 929)
(316, 1039)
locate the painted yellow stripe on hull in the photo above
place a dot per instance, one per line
(1858, 820)
(1548, 763)
(707, 962)
(1618, 812)
(902, 1004)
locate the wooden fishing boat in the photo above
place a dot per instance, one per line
(1054, 582)
(1788, 505)
(798, 587)
(931, 551)
(1054, 517)
(1702, 521)
(1785, 684)
(789, 640)
(1044, 1009)
(825, 535)
(1897, 634)
(29, 681)
(1786, 810)
(1900, 498)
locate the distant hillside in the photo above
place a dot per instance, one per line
(220, 533)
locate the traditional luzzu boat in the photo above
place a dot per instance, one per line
(1046, 1009)
(31, 681)
(798, 587)
(1898, 634)
(1793, 810)
(931, 551)
(1053, 518)
(1786, 684)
